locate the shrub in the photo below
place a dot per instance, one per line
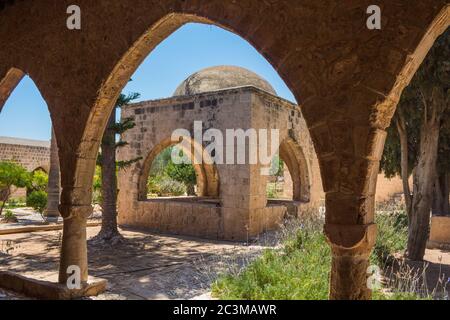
(271, 191)
(11, 175)
(39, 180)
(300, 268)
(9, 216)
(169, 187)
(298, 271)
(38, 201)
(391, 237)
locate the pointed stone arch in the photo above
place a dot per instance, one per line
(206, 174)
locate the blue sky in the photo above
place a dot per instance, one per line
(189, 49)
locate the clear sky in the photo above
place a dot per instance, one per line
(189, 49)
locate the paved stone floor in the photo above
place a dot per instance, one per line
(145, 266)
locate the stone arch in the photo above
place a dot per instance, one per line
(294, 158)
(9, 82)
(206, 174)
(43, 167)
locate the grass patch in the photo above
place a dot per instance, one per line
(283, 274)
(299, 269)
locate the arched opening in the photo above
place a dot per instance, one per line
(25, 134)
(38, 181)
(216, 92)
(129, 63)
(206, 175)
(289, 181)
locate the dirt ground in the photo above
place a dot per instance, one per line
(146, 266)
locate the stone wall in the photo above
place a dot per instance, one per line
(439, 233)
(31, 154)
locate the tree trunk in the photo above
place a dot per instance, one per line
(5, 196)
(53, 187)
(109, 229)
(401, 128)
(419, 222)
(441, 204)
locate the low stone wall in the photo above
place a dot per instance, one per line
(175, 217)
(439, 233)
(195, 218)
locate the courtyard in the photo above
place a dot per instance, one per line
(249, 150)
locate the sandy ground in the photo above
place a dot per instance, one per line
(146, 266)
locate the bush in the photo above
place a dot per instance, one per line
(300, 268)
(39, 180)
(169, 187)
(11, 175)
(391, 237)
(9, 216)
(297, 271)
(38, 201)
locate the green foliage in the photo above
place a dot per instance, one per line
(97, 186)
(392, 236)
(183, 173)
(300, 268)
(38, 201)
(430, 86)
(298, 271)
(276, 166)
(9, 215)
(271, 190)
(274, 190)
(39, 181)
(169, 179)
(11, 175)
(14, 203)
(169, 187)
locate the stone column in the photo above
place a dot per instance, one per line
(74, 245)
(53, 188)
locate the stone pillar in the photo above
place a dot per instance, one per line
(74, 246)
(53, 187)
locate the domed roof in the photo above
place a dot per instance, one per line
(221, 77)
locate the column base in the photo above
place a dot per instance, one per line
(39, 289)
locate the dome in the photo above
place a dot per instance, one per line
(221, 77)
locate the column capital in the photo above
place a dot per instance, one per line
(351, 239)
(69, 211)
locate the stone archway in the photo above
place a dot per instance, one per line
(207, 176)
(294, 158)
